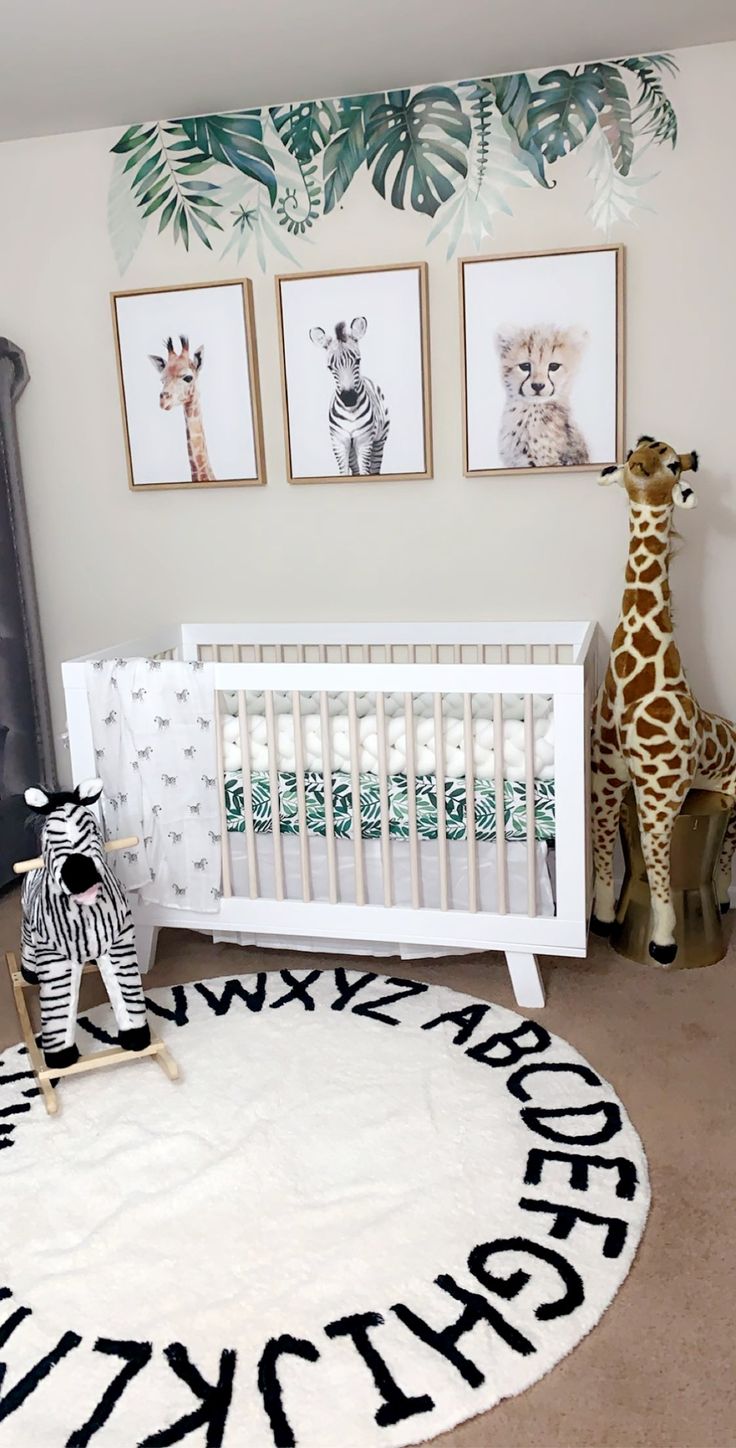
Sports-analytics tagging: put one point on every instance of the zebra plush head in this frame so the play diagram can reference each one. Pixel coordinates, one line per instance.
(343, 356)
(71, 844)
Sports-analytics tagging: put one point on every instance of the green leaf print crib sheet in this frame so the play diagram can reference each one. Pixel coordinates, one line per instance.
(398, 806)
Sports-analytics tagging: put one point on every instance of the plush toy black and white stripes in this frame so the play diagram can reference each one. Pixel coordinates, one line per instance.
(75, 911)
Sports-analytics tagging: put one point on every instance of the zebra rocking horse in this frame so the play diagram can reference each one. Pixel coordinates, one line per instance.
(74, 912)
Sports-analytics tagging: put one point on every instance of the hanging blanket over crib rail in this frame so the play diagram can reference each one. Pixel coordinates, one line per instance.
(154, 733)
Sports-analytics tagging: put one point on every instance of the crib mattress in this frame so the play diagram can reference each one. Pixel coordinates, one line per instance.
(515, 824)
(517, 719)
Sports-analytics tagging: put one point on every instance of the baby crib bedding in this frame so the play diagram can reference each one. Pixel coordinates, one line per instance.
(425, 762)
(515, 824)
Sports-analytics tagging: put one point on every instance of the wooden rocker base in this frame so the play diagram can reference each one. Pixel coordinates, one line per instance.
(113, 1056)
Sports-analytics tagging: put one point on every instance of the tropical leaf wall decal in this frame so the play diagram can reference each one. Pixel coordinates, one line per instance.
(452, 153)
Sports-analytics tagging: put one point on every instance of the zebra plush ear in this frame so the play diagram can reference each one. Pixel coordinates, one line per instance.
(89, 791)
(37, 799)
(359, 327)
(318, 336)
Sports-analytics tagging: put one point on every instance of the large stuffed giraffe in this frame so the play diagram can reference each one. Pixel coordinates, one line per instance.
(649, 731)
(180, 388)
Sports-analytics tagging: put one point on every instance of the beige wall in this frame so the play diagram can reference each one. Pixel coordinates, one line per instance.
(110, 563)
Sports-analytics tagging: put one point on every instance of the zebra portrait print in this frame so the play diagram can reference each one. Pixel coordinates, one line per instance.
(74, 910)
(358, 416)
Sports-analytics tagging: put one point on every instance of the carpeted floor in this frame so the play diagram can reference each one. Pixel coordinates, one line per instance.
(658, 1371)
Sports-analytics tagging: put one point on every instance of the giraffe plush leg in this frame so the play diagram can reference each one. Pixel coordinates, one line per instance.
(608, 794)
(656, 822)
(723, 873)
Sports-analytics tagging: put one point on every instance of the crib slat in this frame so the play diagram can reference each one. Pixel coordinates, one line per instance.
(301, 795)
(383, 794)
(470, 804)
(439, 769)
(273, 778)
(411, 796)
(227, 884)
(499, 791)
(531, 824)
(329, 806)
(355, 790)
(250, 833)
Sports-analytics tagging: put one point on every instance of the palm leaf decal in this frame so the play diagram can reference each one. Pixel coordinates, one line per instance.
(615, 116)
(420, 137)
(563, 110)
(236, 140)
(513, 94)
(655, 113)
(345, 153)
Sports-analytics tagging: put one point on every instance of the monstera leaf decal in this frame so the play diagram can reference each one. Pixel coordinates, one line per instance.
(563, 110)
(419, 137)
(305, 129)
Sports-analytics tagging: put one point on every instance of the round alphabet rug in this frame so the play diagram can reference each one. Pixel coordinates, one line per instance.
(370, 1209)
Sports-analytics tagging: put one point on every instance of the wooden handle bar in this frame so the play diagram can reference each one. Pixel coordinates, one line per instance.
(23, 867)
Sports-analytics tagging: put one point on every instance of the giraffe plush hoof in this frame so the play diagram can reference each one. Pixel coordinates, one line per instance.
(601, 927)
(58, 1060)
(135, 1039)
(663, 954)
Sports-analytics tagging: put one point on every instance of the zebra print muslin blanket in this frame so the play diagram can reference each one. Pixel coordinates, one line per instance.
(156, 752)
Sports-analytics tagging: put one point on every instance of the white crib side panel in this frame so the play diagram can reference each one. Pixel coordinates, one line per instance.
(79, 723)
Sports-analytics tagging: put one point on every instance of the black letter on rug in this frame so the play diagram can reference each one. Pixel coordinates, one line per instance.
(565, 1218)
(180, 1013)
(28, 1384)
(270, 1387)
(215, 1400)
(347, 989)
(408, 988)
(510, 1287)
(299, 989)
(466, 1020)
(515, 1083)
(254, 999)
(541, 1039)
(136, 1355)
(537, 1119)
(396, 1406)
(626, 1185)
(444, 1341)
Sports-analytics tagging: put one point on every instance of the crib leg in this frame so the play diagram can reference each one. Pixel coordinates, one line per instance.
(525, 978)
(146, 940)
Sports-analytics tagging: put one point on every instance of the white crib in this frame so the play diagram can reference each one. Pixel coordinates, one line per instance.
(438, 894)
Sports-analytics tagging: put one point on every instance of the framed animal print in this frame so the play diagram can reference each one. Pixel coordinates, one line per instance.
(189, 392)
(542, 352)
(355, 374)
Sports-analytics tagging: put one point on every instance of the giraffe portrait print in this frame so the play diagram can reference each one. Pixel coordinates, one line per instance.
(189, 388)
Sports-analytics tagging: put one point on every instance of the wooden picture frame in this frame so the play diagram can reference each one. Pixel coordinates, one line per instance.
(419, 444)
(247, 387)
(515, 441)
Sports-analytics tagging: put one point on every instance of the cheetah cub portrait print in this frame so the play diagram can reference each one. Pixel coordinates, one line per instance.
(538, 365)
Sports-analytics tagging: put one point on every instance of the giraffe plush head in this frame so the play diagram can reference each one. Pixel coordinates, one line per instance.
(652, 474)
(179, 373)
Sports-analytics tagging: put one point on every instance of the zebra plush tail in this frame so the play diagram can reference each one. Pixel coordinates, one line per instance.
(380, 433)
